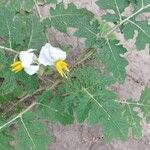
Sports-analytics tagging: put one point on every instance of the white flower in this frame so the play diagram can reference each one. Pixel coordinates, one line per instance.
(26, 60)
(53, 56)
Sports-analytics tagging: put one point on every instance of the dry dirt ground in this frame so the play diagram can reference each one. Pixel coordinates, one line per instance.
(83, 137)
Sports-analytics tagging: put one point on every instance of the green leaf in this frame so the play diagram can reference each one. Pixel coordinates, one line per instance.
(21, 31)
(129, 24)
(5, 98)
(138, 4)
(14, 5)
(32, 133)
(30, 33)
(27, 5)
(105, 28)
(81, 19)
(132, 116)
(143, 29)
(51, 1)
(37, 37)
(51, 108)
(116, 5)
(133, 119)
(12, 81)
(5, 139)
(110, 55)
(6, 23)
(144, 103)
(88, 98)
(29, 83)
(9, 84)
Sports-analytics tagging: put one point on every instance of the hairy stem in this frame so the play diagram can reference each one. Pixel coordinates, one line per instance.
(123, 21)
(8, 49)
(18, 116)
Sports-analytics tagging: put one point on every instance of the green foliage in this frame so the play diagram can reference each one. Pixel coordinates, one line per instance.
(129, 24)
(144, 104)
(14, 82)
(21, 31)
(132, 117)
(85, 95)
(81, 19)
(50, 1)
(27, 5)
(110, 55)
(6, 139)
(51, 108)
(92, 30)
(88, 98)
(32, 133)
(33, 33)
(143, 29)
(8, 84)
(116, 5)
(104, 29)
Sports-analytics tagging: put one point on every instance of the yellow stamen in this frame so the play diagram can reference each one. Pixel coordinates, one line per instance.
(16, 66)
(61, 67)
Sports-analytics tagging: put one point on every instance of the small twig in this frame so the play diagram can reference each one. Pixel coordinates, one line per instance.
(88, 55)
(23, 99)
(37, 91)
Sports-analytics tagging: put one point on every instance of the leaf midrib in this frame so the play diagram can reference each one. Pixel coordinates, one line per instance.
(105, 111)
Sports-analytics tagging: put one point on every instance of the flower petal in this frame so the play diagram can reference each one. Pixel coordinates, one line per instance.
(32, 69)
(49, 55)
(26, 57)
(44, 56)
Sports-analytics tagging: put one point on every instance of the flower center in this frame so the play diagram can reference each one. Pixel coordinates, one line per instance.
(16, 66)
(61, 67)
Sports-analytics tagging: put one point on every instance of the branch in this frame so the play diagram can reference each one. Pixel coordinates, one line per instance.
(18, 116)
(123, 21)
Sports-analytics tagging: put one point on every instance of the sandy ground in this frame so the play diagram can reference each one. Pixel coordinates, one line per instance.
(83, 137)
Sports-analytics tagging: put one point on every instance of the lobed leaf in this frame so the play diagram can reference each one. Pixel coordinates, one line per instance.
(81, 19)
(5, 140)
(88, 98)
(32, 133)
(110, 55)
(129, 24)
(133, 119)
(5, 137)
(27, 5)
(144, 103)
(14, 83)
(116, 6)
(51, 108)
